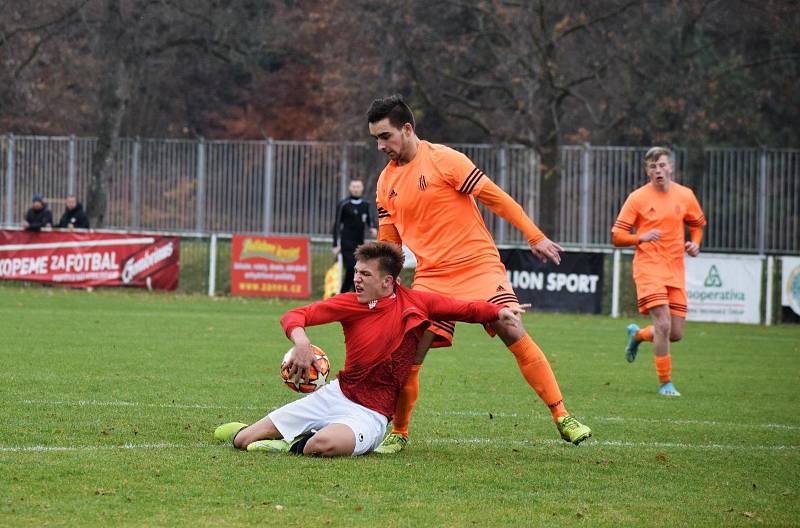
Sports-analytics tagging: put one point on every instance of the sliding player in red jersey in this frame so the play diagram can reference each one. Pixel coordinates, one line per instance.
(382, 322)
(426, 199)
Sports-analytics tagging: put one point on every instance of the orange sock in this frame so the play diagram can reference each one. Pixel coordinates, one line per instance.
(537, 372)
(664, 368)
(406, 401)
(645, 334)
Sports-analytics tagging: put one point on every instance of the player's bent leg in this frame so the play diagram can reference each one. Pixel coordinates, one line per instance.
(406, 401)
(333, 440)
(662, 323)
(261, 430)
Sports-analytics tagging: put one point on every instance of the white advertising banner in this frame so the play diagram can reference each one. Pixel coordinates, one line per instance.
(790, 283)
(724, 288)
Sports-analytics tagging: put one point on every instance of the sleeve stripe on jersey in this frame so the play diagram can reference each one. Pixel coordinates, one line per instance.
(382, 213)
(697, 223)
(471, 181)
(504, 298)
(623, 225)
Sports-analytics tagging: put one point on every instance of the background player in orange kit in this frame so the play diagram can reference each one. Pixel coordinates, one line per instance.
(657, 212)
(426, 199)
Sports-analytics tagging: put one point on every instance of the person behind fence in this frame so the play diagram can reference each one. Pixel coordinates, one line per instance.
(658, 212)
(382, 324)
(353, 216)
(38, 216)
(74, 217)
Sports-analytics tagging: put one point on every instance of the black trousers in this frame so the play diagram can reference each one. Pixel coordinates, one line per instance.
(349, 266)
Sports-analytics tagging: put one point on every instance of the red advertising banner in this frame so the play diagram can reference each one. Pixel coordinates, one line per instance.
(90, 259)
(270, 266)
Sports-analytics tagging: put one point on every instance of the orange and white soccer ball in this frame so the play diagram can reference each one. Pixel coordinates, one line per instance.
(316, 379)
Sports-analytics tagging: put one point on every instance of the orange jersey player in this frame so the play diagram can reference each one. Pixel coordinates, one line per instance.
(657, 212)
(426, 199)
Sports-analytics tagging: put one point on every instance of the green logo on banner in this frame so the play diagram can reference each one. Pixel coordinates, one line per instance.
(713, 280)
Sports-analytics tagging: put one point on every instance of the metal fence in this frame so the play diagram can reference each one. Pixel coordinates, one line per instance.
(751, 197)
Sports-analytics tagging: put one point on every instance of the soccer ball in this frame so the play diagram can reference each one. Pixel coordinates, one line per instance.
(316, 379)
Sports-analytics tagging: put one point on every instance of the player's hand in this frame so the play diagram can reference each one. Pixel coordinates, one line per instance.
(546, 250)
(373, 232)
(335, 250)
(692, 249)
(650, 236)
(300, 361)
(512, 315)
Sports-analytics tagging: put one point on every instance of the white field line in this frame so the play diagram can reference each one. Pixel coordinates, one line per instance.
(266, 408)
(56, 449)
(609, 443)
(436, 441)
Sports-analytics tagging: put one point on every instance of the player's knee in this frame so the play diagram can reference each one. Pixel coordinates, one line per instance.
(663, 327)
(321, 445)
(675, 335)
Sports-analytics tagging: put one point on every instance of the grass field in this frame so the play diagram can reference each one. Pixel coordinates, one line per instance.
(109, 400)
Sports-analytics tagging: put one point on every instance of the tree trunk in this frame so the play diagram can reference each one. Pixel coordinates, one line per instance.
(114, 102)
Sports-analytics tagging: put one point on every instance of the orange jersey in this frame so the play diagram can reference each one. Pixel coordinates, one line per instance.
(431, 203)
(646, 209)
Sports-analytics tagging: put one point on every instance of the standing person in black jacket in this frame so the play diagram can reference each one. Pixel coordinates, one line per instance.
(353, 215)
(38, 216)
(73, 216)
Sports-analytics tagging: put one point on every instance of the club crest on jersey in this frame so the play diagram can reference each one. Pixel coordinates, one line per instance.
(372, 304)
(422, 183)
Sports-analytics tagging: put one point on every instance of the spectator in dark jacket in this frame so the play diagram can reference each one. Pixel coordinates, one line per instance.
(73, 216)
(353, 215)
(38, 216)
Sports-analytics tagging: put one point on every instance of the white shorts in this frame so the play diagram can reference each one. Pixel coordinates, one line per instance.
(326, 406)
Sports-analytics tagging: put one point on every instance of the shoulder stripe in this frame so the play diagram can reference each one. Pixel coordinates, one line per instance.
(471, 181)
(623, 225)
(382, 213)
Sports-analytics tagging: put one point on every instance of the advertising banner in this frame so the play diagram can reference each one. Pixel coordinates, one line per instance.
(90, 259)
(724, 288)
(790, 283)
(576, 285)
(270, 266)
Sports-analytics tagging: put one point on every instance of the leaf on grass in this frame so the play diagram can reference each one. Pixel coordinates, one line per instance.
(358, 508)
(749, 515)
(279, 507)
(661, 456)
(101, 491)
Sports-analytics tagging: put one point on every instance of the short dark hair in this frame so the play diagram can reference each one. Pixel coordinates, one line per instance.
(389, 256)
(392, 107)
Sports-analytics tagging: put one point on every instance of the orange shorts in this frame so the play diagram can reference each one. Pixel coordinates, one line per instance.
(650, 294)
(476, 283)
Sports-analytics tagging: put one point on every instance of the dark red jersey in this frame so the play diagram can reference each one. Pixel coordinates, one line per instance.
(380, 337)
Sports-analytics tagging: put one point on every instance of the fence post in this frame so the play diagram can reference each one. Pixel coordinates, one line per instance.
(10, 180)
(770, 280)
(200, 195)
(71, 167)
(212, 265)
(269, 183)
(615, 273)
(136, 185)
(584, 195)
(344, 167)
(502, 182)
(762, 201)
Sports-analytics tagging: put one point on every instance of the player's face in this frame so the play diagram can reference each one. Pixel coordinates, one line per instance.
(659, 171)
(370, 282)
(356, 189)
(392, 141)
(71, 202)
